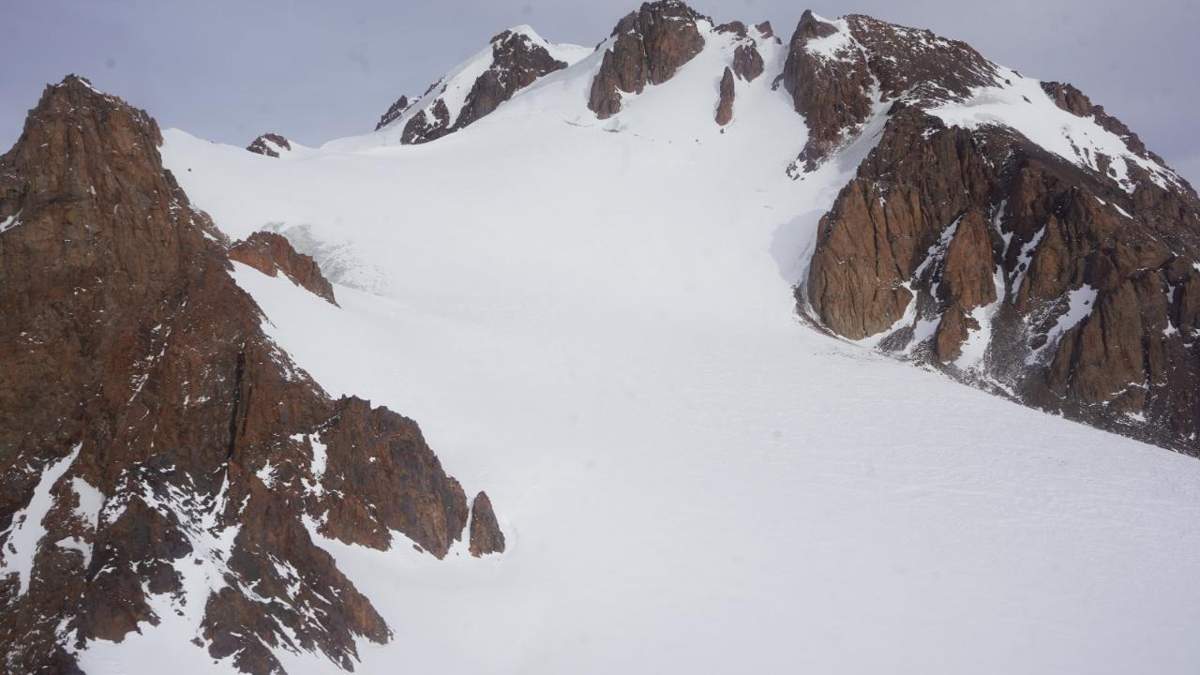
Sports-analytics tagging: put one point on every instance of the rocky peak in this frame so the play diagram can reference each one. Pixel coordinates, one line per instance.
(516, 58)
(269, 252)
(183, 458)
(830, 83)
(836, 71)
(646, 47)
(1055, 274)
(811, 28)
(917, 64)
(270, 145)
(486, 537)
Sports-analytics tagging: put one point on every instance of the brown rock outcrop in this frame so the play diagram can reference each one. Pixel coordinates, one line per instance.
(211, 452)
(648, 46)
(725, 102)
(747, 62)
(270, 145)
(832, 85)
(486, 537)
(830, 90)
(270, 253)
(1084, 280)
(517, 61)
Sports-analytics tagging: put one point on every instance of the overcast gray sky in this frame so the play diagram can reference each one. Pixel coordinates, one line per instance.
(315, 69)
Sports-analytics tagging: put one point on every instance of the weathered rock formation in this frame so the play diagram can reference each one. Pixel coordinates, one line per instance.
(517, 61)
(647, 47)
(270, 253)
(270, 144)
(835, 73)
(486, 537)
(393, 113)
(154, 440)
(725, 102)
(1061, 284)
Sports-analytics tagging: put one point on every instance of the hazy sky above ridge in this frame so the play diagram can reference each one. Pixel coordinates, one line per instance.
(317, 70)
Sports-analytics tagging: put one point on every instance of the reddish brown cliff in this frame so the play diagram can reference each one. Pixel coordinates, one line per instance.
(135, 370)
(270, 253)
(1072, 285)
(647, 47)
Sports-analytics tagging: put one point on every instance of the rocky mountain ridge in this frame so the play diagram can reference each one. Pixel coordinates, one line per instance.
(182, 470)
(938, 199)
(1060, 280)
(514, 59)
(184, 450)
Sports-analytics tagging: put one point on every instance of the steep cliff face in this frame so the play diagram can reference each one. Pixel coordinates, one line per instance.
(162, 459)
(1007, 230)
(837, 71)
(646, 47)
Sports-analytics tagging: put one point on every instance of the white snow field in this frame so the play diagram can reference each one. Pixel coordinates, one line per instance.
(593, 321)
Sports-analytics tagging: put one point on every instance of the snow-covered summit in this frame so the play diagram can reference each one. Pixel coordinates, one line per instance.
(513, 59)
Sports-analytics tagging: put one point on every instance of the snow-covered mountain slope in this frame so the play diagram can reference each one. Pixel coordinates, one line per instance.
(595, 319)
(512, 60)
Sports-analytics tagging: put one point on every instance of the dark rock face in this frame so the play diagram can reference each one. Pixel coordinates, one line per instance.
(725, 103)
(747, 62)
(830, 72)
(202, 449)
(649, 45)
(830, 89)
(269, 144)
(428, 125)
(1075, 285)
(381, 476)
(393, 113)
(486, 537)
(517, 61)
(735, 27)
(269, 253)
(927, 67)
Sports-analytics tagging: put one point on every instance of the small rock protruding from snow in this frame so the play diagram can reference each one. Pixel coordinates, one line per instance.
(725, 103)
(486, 537)
(270, 145)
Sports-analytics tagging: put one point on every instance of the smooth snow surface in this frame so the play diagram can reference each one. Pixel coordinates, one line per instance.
(593, 321)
